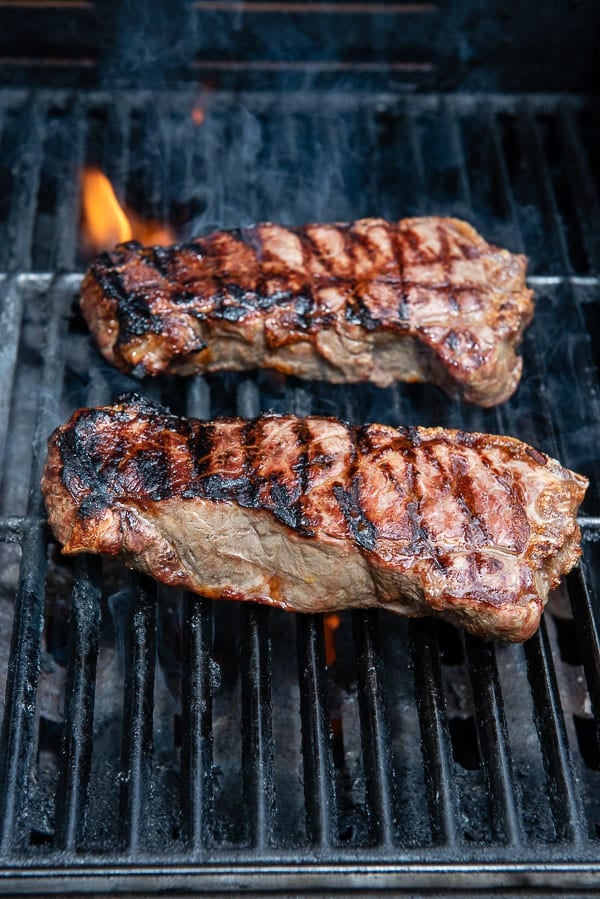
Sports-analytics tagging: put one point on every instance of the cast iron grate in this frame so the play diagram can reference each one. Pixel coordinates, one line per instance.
(168, 742)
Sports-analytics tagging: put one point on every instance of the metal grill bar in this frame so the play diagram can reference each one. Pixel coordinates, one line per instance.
(197, 736)
(68, 202)
(12, 528)
(585, 616)
(257, 734)
(530, 134)
(19, 713)
(374, 729)
(77, 737)
(26, 185)
(566, 805)
(117, 159)
(493, 737)
(50, 384)
(11, 314)
(435, 737)
(137, 717)
(316, 732)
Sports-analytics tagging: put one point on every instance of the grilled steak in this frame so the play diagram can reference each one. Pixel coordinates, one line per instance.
(312, 515)
(425, 299)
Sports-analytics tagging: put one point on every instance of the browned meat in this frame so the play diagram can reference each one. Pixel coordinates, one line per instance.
(313, 515)
(422, 300)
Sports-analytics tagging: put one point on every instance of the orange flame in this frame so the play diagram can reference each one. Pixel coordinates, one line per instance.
(331, 622)
(106, 222)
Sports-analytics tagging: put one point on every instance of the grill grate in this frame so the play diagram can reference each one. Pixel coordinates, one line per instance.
(168, 742)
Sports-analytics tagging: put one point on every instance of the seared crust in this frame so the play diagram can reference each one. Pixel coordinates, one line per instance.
(424, 299)
(313, 514)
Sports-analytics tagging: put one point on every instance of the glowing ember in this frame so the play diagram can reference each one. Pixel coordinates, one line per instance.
(106, 223)
(331, 622)
(197, 115)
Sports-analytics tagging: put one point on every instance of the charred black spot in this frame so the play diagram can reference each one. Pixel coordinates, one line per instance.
(362, 439)
(412, 434)
(249, 437)
(233, 302)
(191, 246)
(78, 467)
(232, 313)
(157, 258)
(301, 469)
(452, 341)
(357, 313)
(196, 347)
(419, 534)
(453, 302)
(363, 530)
(404, 310)
(277, 298)
(153, 471)
(466, 439)
(216, 488)
(140, 404)
(108, 278)
(161, 259)
(93, 505)
(133, 310)
(323, 460)
(185, 296)
(304, 305)
(283, 505)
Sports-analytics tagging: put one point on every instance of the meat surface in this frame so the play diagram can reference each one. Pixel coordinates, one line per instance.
(423, 299)
(314, 515)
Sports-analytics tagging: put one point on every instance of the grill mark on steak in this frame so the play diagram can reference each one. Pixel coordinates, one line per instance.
(200, 444)
(362, 529)
(303, 522)
(464, 494)
(472, 527)
(357, 312)
(133, 313)
(158, 259)
(420, 541)
(311, 248)
(421, 299)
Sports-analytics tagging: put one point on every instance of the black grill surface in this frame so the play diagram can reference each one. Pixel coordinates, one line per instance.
(152, 740)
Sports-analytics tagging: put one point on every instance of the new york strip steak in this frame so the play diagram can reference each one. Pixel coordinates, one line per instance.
(423, 299)
(314, 515)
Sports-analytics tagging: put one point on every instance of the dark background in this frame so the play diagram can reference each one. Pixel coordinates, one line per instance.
(470, 46)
